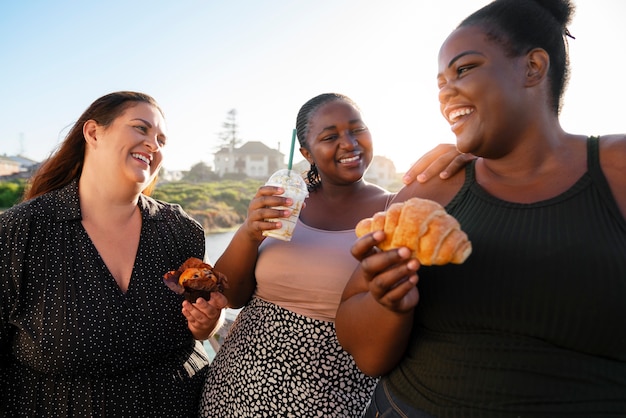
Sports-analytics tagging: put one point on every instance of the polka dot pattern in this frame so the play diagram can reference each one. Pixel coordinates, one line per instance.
(71, 342)
(278, 363)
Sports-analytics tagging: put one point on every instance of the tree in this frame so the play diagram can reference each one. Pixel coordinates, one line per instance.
(229, 135)
(200, 172)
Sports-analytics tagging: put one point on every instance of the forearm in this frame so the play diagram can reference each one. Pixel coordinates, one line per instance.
(375, 336)
(237, 263)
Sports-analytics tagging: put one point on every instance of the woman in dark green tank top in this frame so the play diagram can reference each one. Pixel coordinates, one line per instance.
(534, 322)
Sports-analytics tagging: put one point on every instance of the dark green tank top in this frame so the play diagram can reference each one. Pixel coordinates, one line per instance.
(534, 322)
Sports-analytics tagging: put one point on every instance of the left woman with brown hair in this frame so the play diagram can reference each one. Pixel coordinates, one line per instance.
(88, 328)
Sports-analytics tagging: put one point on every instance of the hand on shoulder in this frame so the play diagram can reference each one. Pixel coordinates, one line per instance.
(441, 162)
(437, 189)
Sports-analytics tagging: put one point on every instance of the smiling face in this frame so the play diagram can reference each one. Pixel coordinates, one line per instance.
(481, 92)
(339, 143)
(132, 144)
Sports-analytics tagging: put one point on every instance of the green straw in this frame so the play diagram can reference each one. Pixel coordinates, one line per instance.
(293, 144)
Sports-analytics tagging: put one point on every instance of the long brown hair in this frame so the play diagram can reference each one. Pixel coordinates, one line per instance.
(66, 162)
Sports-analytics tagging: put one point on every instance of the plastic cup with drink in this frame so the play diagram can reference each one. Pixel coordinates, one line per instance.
(295, 187)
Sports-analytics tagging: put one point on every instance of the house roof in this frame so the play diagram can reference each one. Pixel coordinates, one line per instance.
(9, 160)
(252, 147)
(23, 161)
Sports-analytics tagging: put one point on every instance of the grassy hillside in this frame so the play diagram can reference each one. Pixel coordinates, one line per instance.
(217, 205)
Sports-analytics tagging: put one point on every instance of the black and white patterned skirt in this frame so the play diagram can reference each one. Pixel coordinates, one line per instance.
(278, 363)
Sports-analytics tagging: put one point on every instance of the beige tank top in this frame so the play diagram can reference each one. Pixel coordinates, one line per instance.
(306, 275)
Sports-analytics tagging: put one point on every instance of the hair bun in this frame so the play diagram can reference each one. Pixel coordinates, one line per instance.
(561, 10)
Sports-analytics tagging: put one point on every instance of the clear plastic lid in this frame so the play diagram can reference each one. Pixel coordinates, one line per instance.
(287, 179)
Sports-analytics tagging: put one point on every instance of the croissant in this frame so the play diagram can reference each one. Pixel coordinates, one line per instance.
(422, 225)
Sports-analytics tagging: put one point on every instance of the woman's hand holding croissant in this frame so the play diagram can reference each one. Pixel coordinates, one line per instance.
(433, 236)
(390, 275)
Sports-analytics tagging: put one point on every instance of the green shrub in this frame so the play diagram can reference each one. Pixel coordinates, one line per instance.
(11, 192)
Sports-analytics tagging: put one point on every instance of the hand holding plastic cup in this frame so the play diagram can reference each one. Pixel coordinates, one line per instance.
(295, 187)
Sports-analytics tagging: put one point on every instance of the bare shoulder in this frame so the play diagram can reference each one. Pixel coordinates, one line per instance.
(613, 153)
(613, 143)
(377, 191)
(613, 162)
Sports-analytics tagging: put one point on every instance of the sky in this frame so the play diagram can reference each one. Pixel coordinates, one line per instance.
(265, 58)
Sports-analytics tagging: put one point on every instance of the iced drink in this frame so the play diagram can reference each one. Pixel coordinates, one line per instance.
(296, 189)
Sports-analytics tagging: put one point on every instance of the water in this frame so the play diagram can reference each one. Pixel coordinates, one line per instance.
(217, 243)
(215, 246)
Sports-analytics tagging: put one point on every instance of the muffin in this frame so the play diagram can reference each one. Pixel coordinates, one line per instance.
(195, 279)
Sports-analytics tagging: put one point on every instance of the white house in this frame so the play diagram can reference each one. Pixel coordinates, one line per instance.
(17, 166)
(8, 166)
(253, 159)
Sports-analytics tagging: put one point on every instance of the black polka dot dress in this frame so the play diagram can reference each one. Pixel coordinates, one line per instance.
(277, 363)
(72, 344)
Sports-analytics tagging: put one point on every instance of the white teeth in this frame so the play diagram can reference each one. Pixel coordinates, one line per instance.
(141, 157)
(349, 160)
(453, 116)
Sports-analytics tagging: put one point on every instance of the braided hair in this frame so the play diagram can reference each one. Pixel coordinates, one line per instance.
(305, 115)
(521, 25)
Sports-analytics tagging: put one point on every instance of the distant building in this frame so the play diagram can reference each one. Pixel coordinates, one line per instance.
(253, 159)
(170, 175)
(8, 166)
(382, 172)
(17, 166)
(301, 167)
